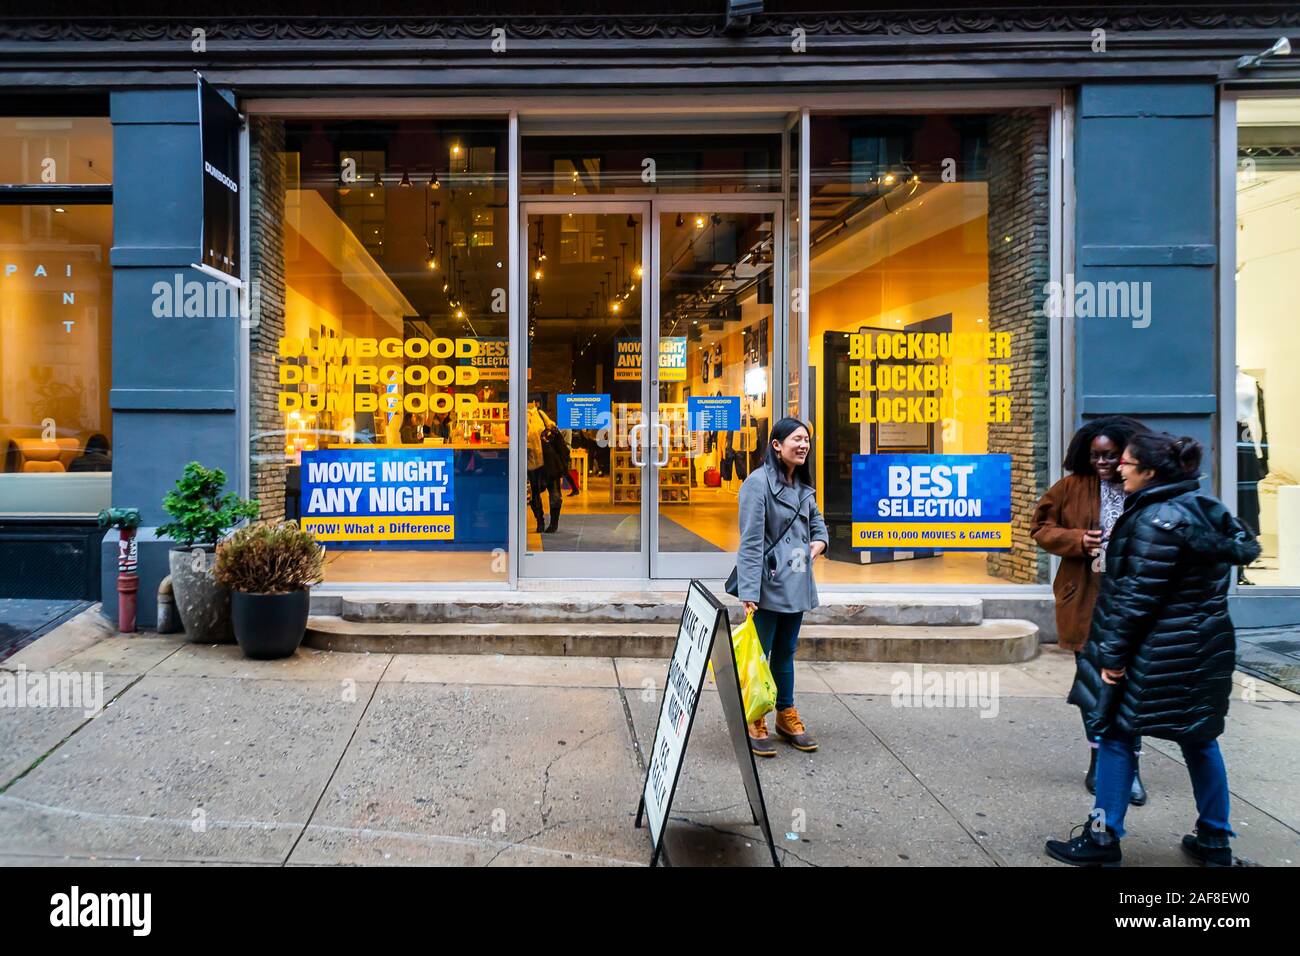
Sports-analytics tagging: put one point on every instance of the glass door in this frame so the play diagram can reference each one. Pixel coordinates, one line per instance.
(585, 510)
(715, 397)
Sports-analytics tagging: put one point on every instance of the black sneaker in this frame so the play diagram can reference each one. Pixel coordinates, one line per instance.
(1088, 848)
(1209, 850)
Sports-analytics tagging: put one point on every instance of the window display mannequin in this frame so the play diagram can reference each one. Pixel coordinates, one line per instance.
(1252, 448)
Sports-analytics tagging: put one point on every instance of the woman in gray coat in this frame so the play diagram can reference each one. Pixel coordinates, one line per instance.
(781, 534)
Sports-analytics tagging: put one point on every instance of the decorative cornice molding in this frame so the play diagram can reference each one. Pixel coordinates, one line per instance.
(901, 23)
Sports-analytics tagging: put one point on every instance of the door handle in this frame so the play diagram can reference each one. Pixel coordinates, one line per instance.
(634, 443)
(667, 448)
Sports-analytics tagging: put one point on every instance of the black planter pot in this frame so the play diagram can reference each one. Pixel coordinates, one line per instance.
(270, 625)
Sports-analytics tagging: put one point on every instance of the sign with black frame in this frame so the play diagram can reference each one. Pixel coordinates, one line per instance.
(703, 634)
(219, 125)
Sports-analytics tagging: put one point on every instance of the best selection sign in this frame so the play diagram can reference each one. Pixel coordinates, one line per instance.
(932, 502)
(357, 495)
(492, 358)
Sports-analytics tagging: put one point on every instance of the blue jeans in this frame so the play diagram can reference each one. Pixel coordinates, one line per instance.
(778, 632)
(1117, 764)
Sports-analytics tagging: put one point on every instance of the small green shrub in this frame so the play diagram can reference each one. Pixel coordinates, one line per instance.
(270, 559)
(200, 512)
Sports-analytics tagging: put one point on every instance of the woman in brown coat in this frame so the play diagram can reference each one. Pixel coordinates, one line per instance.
(1073, 520)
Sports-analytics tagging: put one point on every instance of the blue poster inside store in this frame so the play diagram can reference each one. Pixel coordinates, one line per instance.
(356, 497)
(582, 411)
(719, 413)
(932, 502)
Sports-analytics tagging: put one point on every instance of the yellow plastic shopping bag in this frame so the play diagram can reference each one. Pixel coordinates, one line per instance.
(756, 684)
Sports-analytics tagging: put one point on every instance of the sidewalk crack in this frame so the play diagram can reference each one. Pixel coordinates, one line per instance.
(338, 763)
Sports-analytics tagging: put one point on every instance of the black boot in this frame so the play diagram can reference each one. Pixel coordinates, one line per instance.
(1089, 848)
(1090, 778)
(1138, 794)
(555, 517)
(1210, 848)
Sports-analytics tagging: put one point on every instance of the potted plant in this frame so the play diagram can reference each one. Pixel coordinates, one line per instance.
(201, 516)
(269, 569)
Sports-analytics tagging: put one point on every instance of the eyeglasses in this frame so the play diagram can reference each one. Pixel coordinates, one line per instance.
(1125, 461)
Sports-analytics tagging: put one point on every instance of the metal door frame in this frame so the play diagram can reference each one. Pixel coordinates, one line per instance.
(648, 562)
(688, 564)
(574, 564)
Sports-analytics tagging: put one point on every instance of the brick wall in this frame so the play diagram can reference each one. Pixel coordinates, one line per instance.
(266, 248)
(1018, 271)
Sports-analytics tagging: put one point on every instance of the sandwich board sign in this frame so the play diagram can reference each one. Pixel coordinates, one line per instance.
(703, 634)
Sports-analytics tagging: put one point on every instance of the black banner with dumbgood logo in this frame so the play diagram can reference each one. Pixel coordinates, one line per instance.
(219, 146)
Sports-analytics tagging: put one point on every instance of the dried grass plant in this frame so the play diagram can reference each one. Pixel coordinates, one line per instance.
(270, 559)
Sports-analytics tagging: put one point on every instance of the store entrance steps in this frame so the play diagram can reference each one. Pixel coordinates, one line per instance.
(989, 642)
(893, 628)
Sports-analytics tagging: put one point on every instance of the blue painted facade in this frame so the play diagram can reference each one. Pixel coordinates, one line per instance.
(1146, 201)
(175, 380)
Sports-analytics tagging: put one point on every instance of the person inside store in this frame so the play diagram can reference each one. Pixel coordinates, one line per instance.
(440, 426)
(1074, 521)
(781, 534)
(410, 429)
(95, 457)
(548, 459)
(1163, 644)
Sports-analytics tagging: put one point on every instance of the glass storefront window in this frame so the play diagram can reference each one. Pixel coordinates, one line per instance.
(578, 166)
(379, 360)
(56, 150)
(1268, 348)
(55, 358)
(928, 268)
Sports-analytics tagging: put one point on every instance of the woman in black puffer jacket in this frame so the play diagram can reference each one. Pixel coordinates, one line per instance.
(1160, 656)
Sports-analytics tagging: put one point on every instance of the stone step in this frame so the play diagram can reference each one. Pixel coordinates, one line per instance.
(989, 642)
(625, 607)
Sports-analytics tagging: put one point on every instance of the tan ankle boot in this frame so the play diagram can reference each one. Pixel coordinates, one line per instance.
(789, 726)
(759, 742)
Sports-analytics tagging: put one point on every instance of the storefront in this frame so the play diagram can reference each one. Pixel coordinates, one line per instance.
(451, 277)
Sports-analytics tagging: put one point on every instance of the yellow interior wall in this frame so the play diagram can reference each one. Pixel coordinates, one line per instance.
(49, 372)
(947, 273)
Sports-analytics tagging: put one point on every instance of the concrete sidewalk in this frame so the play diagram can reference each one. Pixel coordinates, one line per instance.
(328, 758)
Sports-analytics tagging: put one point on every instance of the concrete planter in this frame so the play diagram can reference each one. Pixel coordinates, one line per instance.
(268, 626)
(203, 604)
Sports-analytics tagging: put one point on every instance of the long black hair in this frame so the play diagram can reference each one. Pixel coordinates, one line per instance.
(780, 432)
(1171, 458)
(1118, 428)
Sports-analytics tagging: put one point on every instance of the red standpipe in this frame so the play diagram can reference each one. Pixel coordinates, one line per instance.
(128, 581)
